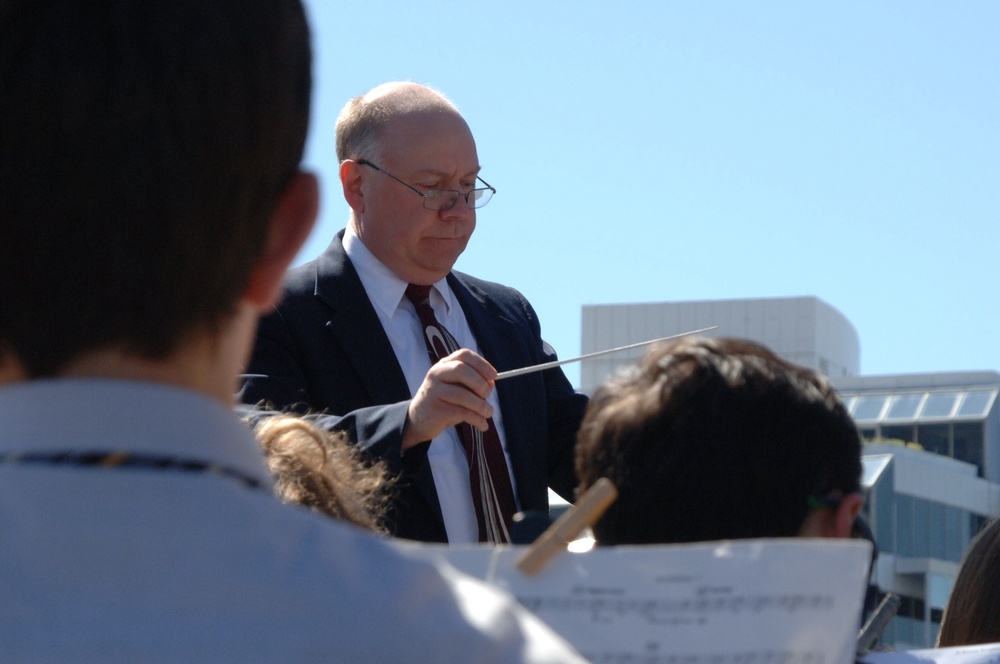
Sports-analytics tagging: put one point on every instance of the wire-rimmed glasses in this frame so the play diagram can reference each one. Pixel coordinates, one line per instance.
(444, 199)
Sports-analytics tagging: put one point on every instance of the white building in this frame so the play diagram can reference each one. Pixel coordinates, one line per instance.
(803, 330)
(926, 500)
(923, 509)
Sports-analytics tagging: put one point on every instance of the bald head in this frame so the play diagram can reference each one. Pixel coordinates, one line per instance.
(363, 120)
(396, 143)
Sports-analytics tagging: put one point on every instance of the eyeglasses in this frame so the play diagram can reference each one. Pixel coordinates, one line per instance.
(444, 199)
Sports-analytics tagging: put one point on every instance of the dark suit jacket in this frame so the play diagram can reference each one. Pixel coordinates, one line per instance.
(324, 349)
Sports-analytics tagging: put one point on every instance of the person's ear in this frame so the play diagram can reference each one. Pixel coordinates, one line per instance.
(289, 226)
(351, 178)
(845, 515)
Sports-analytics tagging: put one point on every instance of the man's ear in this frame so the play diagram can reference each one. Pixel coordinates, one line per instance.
(351, 177)
(290, 224)
(846, 514)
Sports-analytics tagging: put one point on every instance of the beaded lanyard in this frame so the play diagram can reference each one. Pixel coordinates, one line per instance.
(127, 460)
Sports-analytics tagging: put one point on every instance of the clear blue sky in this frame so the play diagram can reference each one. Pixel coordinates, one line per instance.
(667, 151)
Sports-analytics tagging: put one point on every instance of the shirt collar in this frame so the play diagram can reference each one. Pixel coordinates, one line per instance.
(106, 415)
(387, 291)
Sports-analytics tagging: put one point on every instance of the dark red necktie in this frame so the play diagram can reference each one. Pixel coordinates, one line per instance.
(492, 494)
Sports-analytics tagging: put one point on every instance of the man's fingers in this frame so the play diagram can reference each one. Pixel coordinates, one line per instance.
(465, 402)
(457, 372)
(474, 361)
(453, 391)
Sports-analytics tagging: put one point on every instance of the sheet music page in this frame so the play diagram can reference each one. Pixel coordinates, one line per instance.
(792, 601)
(979, 654)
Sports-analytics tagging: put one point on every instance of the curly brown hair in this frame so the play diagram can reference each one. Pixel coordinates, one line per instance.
(323, 471)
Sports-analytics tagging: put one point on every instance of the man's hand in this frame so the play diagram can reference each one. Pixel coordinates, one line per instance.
(453, 391)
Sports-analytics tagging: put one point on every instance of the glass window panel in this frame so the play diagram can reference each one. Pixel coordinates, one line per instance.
(869, 408)
(904, 526)
(976, 404)
(976, 524)
(968, 528)
(905, 629)
(954, 543)
(922, 527)
(907, 608)
(939, 404)
(904, 407)
(968, 443)
(935, 536)
(885, 513)
(906, 433)
(889, 635)
(935, 438)
(937, 589)
(868, 433)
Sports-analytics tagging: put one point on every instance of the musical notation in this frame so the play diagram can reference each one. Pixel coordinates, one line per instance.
(715, 657)
(659, 610)
(738, 602)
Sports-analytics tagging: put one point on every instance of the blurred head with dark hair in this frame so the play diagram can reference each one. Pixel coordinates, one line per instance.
(150, 171)
(710, 439)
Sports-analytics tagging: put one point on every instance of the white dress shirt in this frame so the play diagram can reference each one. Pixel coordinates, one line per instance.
(449, 465)
(112, 564)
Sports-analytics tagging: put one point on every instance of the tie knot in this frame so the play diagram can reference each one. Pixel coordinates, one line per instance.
(418, 294)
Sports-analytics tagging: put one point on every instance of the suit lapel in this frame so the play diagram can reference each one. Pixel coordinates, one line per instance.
(498, 337)
(356, 327)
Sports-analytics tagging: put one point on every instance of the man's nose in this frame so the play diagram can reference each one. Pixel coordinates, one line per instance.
(459, 211)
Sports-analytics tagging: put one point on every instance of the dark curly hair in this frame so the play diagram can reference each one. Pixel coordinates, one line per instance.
(711, 439)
